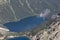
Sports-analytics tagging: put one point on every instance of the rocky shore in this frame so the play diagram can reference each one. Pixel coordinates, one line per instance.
(53, 33)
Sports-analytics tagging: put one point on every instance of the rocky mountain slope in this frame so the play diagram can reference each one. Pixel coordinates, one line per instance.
(53, 33)
(12, 10)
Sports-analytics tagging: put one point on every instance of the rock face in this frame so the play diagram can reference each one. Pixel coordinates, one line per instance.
(53, 33)
(3, 2)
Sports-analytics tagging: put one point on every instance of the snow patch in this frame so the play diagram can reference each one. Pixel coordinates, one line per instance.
(45, 13)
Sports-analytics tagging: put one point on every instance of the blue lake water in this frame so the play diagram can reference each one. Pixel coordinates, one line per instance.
(19, 38)
(28, 23)
(24, 24)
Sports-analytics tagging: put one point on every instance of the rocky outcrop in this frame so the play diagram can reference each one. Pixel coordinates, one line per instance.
(53, 33)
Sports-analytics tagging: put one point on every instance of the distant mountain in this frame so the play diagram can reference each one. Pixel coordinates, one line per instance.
(18, 9)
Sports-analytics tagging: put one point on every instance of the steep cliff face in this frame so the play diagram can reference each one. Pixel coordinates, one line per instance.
(53, 33)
